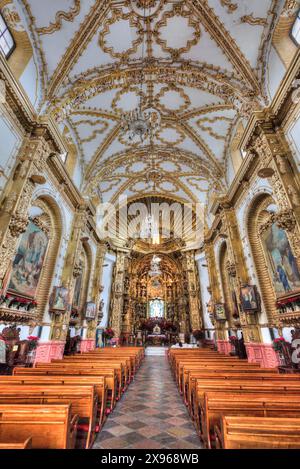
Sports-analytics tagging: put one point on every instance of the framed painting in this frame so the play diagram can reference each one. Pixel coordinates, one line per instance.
(281, 262)
(249, 297)
(90, 310)
(220, 312)
(28, 262)
(59, 299)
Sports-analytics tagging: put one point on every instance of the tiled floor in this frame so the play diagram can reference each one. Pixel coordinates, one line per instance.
(151, 414)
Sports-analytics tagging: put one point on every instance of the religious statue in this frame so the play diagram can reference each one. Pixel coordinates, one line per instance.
(156, 330)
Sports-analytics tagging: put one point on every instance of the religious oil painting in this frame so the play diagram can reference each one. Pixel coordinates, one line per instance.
(220, 312)
(281, 262)
(59, 299)
(250, 300)
(90, 310)
(28, 262)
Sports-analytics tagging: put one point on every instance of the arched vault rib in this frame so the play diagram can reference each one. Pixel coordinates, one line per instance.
(202, 145)
(199, 167)
(102, 148)
(136, 179)
(205, 110)
(190, 75)
(79, 42)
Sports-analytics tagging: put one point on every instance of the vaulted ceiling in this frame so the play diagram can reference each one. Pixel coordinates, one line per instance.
(203, 71)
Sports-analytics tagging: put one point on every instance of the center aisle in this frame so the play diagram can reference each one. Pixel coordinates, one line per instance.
(151, 414)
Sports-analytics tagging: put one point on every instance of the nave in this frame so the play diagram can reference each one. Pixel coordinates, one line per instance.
(151, 415)
(149, 197)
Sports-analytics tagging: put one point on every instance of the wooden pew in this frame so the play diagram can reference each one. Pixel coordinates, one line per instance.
(122, 366)
(258, 433)
(97, 381)
(87, 367)
(49, 426)
(83, 399)
(193, 377)
(16, 444)
(212, 366)
(134, 358)
(110, 375)
(201, 411)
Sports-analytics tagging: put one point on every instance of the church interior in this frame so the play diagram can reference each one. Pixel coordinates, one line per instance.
(149, 224)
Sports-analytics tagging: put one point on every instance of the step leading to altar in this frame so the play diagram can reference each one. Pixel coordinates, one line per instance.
(159, 351)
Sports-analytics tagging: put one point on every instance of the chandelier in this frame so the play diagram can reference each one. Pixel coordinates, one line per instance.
(139, 124)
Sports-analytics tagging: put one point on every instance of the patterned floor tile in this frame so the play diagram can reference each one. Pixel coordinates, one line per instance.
(151, 414)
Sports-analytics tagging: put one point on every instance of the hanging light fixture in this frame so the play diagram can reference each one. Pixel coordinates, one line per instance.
(140, 123)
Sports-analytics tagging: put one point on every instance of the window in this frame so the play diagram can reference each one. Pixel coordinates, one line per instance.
(296, 30)
(7, 43)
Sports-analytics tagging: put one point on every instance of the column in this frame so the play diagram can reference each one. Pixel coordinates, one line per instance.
(215, 291)
(118, 293)
(89, 343)
(190, 267)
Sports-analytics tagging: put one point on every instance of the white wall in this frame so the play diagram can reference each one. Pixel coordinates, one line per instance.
(30, 82)
(10, 143)
(274, 74)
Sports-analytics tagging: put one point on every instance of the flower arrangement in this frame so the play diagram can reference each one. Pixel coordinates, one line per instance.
(278, 343)
(108, 334)
(33, 342)
(232, 338)
(17, 302)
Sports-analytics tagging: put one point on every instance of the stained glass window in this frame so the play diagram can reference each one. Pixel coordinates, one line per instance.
(7, 43)
(157, 308)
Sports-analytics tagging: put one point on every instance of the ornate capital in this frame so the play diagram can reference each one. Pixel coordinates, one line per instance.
(267, 223)
(77, 270)
(286, 220)
(18, 225)
(231, 268)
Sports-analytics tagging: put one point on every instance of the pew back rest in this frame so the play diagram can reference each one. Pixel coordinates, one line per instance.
(83, 398)
(49, 426)
(260, 432)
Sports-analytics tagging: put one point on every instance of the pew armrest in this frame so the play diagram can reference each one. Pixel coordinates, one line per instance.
(73, 430)
(218, 436)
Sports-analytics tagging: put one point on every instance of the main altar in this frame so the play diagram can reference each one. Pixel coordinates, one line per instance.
(158, 331)
(156, 337)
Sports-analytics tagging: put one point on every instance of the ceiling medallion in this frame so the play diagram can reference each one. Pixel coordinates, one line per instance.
(140, 124)
(154, 176)
(265, 173)
(145, 7)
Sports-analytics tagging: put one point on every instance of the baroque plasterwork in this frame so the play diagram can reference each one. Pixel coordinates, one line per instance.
(186, 91)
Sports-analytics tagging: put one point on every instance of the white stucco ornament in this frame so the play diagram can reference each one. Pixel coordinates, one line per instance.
(2, 92)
